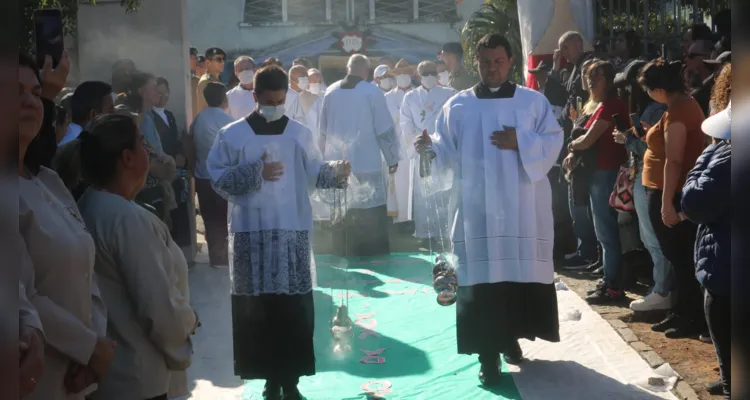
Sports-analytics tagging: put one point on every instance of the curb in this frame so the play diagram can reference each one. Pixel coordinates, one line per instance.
(682, 389)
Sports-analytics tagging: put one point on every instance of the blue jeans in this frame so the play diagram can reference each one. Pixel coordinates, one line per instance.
(663, 273)
(583, 228)
(605, 225)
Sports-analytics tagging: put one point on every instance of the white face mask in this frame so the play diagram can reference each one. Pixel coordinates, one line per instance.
(403, 81)
(302, 82)
(386, 83)
(271, 113)
(246, 77)
(315, 88)
(444, 78)
(429, 81)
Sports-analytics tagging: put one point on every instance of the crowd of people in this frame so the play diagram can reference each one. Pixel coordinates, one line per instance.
(108, 183)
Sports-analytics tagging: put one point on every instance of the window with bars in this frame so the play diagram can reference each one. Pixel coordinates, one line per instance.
(394, 10)
(437, 10)
(263, 11)
(306, 11)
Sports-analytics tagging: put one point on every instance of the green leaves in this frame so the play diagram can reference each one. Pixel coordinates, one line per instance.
(495, 16)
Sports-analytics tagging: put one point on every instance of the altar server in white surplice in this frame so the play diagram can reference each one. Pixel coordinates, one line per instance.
(427, 206)
(355, 125)
(500, 140)
(265, 165)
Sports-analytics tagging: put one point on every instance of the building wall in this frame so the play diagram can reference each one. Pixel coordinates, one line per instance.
(155, 38)
(220, 24)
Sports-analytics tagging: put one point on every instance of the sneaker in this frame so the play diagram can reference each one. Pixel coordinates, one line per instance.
(594, 266)
(666, 323)
(684, 328)
(575, 263)
(598, 272)
(571, 255)
(223, 266)
(599, 285)
(705, 337)
(605, 295)
(652, 302)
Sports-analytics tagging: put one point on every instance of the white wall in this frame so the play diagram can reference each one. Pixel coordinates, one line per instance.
(155, 38)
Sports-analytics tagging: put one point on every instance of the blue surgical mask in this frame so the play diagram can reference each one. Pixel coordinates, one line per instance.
(271, 113)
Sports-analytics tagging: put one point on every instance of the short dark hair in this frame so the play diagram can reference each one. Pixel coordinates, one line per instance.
(193, 51)
(700, 31)
(133, 99)
(61, 114)
(42, 148)
(101, 146)
(493, 41)
(88, 96)
(633, 40)
(661, 74)
(303, 62)
(215, 93)
(272, 61)
(453, 48)
(270, 78)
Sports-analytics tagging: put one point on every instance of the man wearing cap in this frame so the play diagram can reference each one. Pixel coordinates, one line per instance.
(355, 125)
(382, 79)
(706, 201)
(240, 98)
(215, 58)
(453, 56)
(402, 74)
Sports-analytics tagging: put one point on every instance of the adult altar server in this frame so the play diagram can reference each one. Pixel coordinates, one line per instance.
(240, 98)
(354, 124)
(500, 140)
(419, 112)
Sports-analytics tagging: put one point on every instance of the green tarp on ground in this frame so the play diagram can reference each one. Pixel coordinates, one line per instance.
(415, 336)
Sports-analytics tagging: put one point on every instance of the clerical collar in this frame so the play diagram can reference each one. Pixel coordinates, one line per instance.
(350, 81)
(260, 126)
(506, 91)
(244, 88)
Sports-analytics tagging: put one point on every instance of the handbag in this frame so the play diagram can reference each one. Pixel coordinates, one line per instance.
(622, 194)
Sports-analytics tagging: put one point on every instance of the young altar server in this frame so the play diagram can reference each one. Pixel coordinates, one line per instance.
(500, 139)
(427, 206)
(265, 165)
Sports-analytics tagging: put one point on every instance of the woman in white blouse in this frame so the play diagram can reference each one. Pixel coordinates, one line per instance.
(58, 253)
(142, 272)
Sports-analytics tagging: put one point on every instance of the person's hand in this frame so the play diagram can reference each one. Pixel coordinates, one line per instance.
(556, 60)
(669, 215)
(272, 170)
(620, 137)
(422, 142)
(53, 80)
(645, 126)
(572, 113)
(78, 378)
(567, 163)
(505, 139)
(101, 359)
(31, 362)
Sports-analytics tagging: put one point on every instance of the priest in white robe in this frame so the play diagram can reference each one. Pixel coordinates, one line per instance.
(426, 202)
(500, 140)
(265, 166)
(240, 98)
(355, 125)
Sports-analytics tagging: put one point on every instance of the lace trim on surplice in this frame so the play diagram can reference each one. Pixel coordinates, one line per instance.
(239, 180)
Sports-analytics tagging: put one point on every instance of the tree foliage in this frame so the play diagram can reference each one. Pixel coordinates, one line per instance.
(495, 16)
(69, 10)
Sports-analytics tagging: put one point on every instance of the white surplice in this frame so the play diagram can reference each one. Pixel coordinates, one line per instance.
(503, 230)
(354, 124)
(394, 98)
(241, 102)
(270, 223)
(293, 107)
(419, 112)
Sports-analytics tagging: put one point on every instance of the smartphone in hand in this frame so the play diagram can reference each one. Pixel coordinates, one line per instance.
(48, 35)
(619, 123)
(579, 104)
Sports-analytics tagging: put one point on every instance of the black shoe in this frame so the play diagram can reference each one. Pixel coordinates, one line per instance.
(593, 267)
(670, 321)
(272, 391)
(599, 285)
(291, 393)
(715, 388)
(489, 373)
(684, 328)
(514, 356)
(605, 295)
